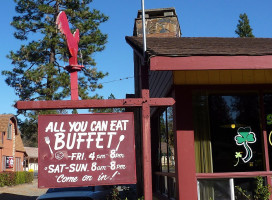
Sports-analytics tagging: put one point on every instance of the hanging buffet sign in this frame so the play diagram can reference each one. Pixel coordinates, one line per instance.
(86, 149)
(244, 137)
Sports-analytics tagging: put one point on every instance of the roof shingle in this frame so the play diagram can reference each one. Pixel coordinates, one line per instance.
(32, 152)
(19, 146)
(4, 122)
(203, 46)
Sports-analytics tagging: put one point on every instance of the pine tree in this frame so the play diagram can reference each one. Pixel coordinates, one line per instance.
(108, 110)
(38, 66)
(243, 27)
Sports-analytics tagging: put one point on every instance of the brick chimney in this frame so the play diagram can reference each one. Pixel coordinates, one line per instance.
(161, 22)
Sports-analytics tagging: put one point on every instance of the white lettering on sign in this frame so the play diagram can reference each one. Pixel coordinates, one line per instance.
(86, 150)
(102, 177)
(79, 140)
(110, 138)
(120, 166)
(102, 156)
(113, 154)
(92, 155)
(70, 140)
(60, 168)
(87, 178)
(99, 126)
(56, 169)
(59, 140)
(63, 179)
(118, 125)
(78, 126)
(95, 167)
(99, 139)
(90, 139)
(53, 127)
(78, 167)
(77, 156)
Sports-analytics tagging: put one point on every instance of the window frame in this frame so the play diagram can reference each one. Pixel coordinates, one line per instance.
(9, 134)
(160, 174)
(4, 163)
(3, 137)
(260, 90)
(17, 164)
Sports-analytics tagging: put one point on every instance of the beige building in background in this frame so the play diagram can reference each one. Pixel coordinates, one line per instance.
(31, 160)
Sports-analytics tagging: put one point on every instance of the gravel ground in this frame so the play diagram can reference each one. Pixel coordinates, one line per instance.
(21, 192)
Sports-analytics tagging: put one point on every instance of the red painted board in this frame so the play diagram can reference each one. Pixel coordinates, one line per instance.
(210, 62)
(74, 85)
(86, 150)
(92, 103)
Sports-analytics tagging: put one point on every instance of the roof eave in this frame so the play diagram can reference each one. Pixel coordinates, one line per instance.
(138, 51)
(163, 63)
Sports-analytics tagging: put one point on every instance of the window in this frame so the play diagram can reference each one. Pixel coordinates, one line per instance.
(9, 162)
(3, 137)
(236, 135)
(166, 143)
(17, 164)
(228, 134)
(268, 121)
(226, 188)
(229, 141)
(165, 172)
(3, 163)
(9, 131)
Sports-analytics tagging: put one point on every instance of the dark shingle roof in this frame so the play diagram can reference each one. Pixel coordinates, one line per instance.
(201, 46)
(19, 146)
(4, 122)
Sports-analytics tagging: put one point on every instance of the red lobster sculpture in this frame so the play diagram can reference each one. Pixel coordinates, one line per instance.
(72, 43)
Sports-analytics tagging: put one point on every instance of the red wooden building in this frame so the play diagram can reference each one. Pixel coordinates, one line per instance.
(218, 133)
(11, 145)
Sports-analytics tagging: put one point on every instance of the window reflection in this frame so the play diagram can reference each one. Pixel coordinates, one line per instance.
(163, 143)
(228, 133)
(165, 182)
(170, 127)
(167, 158)
(227, 188)
(268, 120)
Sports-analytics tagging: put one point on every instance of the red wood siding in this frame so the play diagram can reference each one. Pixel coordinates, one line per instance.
(185, 153)
(210, 62)
(222, 77)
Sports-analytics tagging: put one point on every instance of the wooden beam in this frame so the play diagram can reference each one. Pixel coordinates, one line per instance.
(210, 62)
(219, 175)
(74, 85)
(93, 103)
(146, 135)
(185, 149)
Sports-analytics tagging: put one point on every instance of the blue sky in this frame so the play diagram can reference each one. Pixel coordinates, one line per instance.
(198, 18)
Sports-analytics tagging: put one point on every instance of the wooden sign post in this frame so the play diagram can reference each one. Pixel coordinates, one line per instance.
(145, 102)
